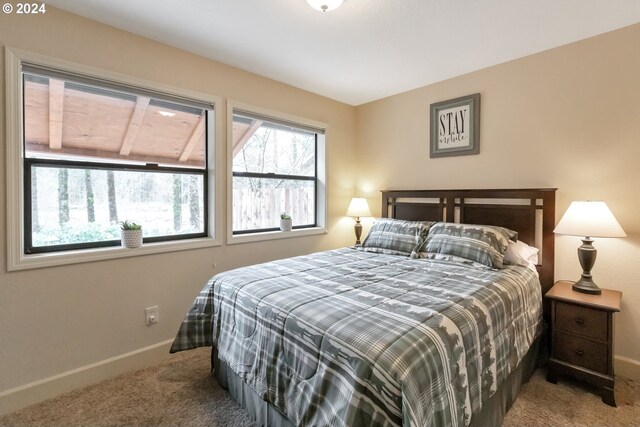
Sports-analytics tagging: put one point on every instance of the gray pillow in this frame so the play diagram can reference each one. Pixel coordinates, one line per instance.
(395, 236)
(484, 244)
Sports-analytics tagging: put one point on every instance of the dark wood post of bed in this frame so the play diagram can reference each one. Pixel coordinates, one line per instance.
(530, 212)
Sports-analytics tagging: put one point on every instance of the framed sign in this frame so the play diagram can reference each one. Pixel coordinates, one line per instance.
(455, 127)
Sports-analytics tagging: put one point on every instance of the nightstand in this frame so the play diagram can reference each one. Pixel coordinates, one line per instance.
(582, 336)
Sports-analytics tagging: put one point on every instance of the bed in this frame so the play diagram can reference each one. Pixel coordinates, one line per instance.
(356, 338)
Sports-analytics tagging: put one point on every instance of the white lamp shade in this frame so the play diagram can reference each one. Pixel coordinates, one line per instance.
(325, 5)
(589, 219)
(358, 207)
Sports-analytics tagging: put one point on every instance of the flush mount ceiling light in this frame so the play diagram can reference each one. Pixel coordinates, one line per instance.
(325, 5)
(166, 114)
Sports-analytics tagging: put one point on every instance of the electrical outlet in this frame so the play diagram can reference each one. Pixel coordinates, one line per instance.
(151, 315)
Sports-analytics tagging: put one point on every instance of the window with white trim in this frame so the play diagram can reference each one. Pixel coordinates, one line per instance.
(97, 152)
(276, 169)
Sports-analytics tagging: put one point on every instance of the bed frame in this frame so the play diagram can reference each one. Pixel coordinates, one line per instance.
(530, 212)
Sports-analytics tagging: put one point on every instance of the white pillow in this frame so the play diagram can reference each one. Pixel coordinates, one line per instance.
(519, 253)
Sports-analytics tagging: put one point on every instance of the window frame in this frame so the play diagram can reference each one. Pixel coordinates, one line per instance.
(70, 164)
(320, 215)
(17, 258)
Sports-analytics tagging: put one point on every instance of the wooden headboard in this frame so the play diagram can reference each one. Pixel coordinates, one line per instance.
(530, 212)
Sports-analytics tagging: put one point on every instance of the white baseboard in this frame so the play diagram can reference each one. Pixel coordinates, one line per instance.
(625, 367)
(37, 391)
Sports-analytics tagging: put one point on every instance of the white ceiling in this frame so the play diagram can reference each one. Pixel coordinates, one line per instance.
(366, 49)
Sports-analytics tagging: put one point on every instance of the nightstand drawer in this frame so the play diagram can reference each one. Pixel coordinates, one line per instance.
(581, 351)
(581, 320)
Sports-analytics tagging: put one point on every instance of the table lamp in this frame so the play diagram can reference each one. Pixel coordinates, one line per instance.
(588, 219)
(357, 208)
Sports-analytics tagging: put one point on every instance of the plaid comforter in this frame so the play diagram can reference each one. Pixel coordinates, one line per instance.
(351, 338)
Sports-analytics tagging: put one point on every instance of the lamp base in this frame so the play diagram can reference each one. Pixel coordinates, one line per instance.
(586, 286)
(587, 257)
(358, 230)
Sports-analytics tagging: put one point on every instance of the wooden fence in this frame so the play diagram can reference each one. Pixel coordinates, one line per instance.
(261, 208)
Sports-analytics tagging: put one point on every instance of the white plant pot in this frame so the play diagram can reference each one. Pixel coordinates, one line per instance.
(131, 238)
(286, 224)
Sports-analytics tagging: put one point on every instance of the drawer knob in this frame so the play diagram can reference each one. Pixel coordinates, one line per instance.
(579, 320)
(580, 352)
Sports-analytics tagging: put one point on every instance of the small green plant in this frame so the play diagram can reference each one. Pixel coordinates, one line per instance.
(126, 225)
(285, 215)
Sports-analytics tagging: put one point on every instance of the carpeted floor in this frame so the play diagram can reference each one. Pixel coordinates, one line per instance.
(181, 392)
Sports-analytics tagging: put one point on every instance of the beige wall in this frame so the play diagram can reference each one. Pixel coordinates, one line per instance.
(57, 319)
(566, 118)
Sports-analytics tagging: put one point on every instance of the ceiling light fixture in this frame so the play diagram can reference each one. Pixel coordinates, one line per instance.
(325, 5)
(166, 114)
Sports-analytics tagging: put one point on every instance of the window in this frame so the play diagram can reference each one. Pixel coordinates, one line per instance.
(93, 152)
(275, 170)
(96, 154)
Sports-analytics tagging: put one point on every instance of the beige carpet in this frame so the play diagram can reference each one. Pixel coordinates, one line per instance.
(181, 392)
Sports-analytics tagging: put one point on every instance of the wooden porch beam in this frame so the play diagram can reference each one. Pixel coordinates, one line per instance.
(134, 125)
(197, 133)
(255, 125)
(87, 153)
(56, 110)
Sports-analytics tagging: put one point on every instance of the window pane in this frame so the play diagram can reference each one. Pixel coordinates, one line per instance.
(263, 147)
(258, 202)
(76, 121)
(77, 205)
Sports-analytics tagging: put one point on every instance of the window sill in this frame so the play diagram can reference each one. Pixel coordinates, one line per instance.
(25, 262)
(274, 235)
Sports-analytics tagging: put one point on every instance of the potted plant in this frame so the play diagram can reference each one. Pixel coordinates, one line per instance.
(285, 222)
(130, 234)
